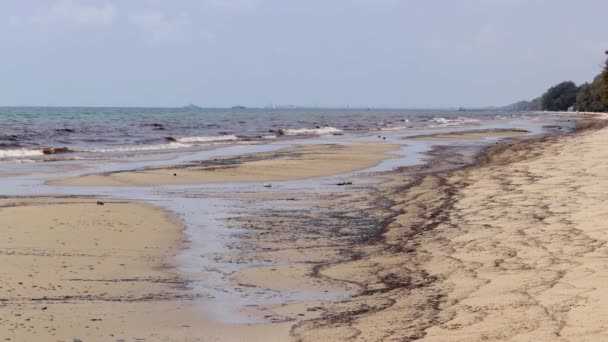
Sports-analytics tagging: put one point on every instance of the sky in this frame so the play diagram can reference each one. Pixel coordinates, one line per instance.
(326, 53)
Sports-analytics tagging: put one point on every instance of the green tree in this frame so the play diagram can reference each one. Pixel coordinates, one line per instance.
(604, 85)
(560, 97)
(589, 98)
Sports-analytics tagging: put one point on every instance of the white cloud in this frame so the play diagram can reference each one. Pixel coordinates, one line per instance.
(67, 11)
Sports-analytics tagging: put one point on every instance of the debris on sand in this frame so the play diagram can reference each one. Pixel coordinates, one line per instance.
(344, 183)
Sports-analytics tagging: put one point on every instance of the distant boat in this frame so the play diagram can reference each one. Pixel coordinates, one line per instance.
(191, 106)
(239, 107)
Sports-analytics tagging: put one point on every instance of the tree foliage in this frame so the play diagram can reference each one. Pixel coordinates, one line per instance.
(604, 84)
(593, 97)
(560, 97)
(589, 98)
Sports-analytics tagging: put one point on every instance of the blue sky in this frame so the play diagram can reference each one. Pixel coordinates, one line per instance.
(377, 53)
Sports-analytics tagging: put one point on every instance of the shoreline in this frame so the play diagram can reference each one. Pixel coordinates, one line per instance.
(319, 240)
(410, 240)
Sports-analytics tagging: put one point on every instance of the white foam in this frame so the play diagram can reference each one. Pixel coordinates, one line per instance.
(228, 137)
(311, 131)
(22, 152)
(443, 122)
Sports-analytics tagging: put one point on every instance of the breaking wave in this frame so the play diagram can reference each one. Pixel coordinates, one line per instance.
(218, 138)
(443, 122)
(22, 152)
(310, 131)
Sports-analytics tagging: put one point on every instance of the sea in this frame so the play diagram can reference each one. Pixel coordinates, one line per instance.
(46, 134)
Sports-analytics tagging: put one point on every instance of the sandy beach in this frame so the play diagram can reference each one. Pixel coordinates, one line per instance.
(299, 162)
(74, 270)
(471, 135)
(84, 271)
(303, 171)
(510, 247)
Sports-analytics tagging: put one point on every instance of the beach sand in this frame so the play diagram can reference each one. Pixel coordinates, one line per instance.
(512, 249)
(74, 270)
(299, 162)
(470, 135)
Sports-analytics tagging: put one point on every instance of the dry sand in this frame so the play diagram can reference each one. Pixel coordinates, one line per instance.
(287, 164)
(73, 270)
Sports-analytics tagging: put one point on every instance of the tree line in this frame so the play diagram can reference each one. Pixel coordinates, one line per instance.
(588, 97)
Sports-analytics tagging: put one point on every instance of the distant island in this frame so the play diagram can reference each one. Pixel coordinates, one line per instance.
(239, 107)
(289, 106)
(192, 106)
(567, 96)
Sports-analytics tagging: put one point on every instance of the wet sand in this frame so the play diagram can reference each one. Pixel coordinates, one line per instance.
(471, 135)
(299, 162)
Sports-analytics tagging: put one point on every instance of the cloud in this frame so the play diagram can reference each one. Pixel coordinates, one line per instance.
(162, 29)
(67, 11)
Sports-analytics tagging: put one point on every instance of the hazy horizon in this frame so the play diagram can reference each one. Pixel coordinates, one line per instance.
(277, 107)
(402, 54)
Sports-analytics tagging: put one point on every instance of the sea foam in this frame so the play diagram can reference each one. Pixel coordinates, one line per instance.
(311, 131)
(218, 138)
(22, 152)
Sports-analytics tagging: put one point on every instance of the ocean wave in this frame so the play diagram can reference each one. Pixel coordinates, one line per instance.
(442, 122)
(168, 146)
(217, 138)
(22, 152)
(310, 131)
(56, 150)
